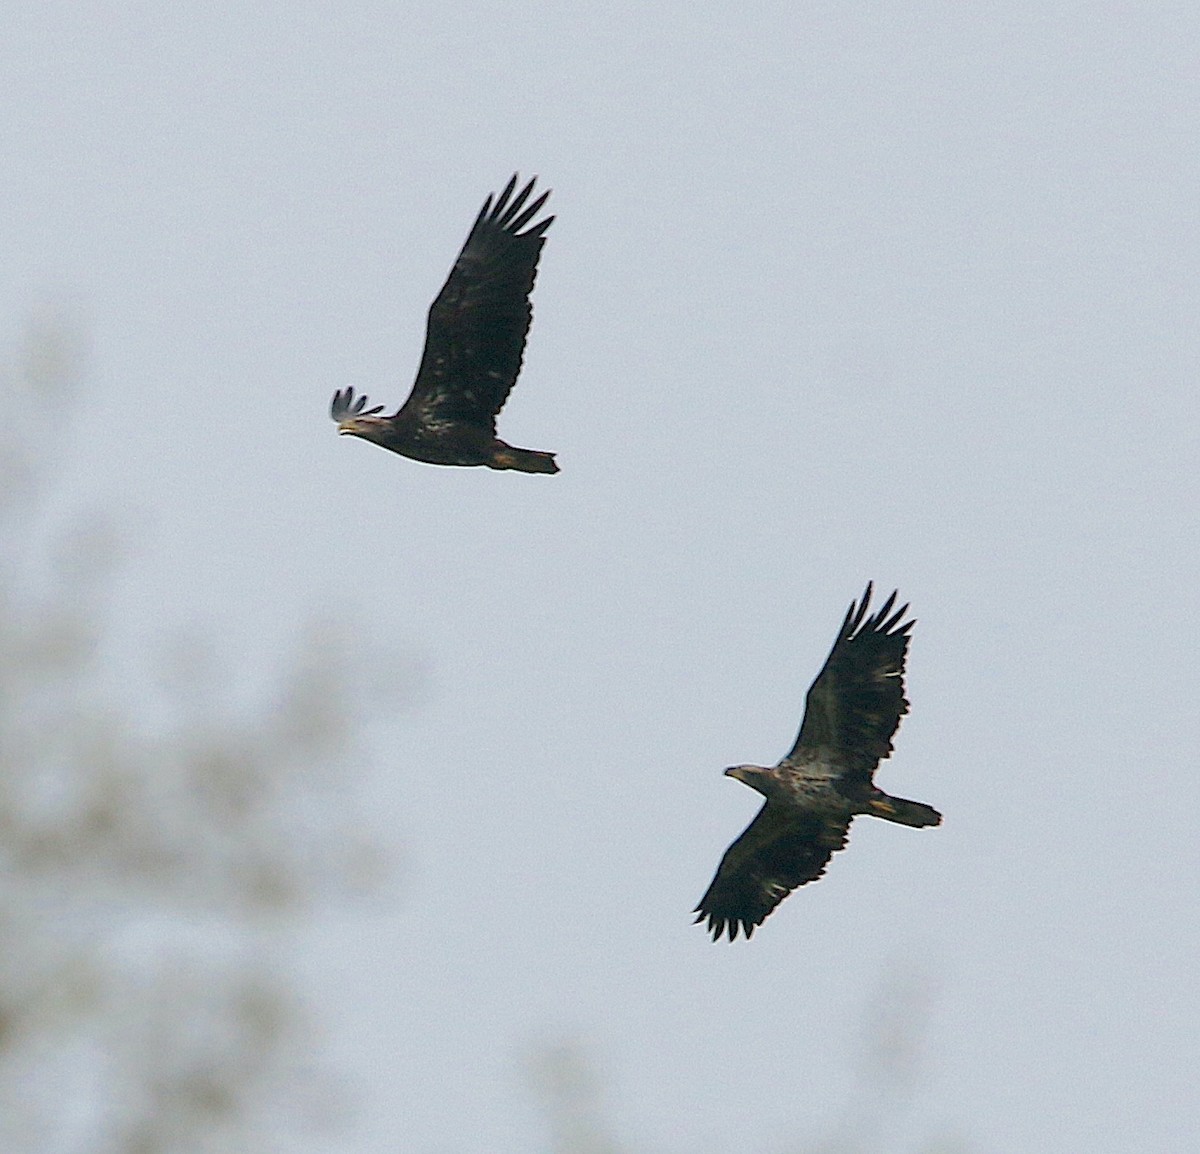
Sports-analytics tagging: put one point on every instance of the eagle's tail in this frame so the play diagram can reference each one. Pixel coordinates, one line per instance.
(523, 460)
(903, 811)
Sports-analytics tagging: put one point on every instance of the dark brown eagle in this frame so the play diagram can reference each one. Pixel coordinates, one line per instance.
(474, 342)
(825, 781)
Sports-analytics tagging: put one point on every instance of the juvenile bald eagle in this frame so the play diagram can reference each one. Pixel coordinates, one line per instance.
(816, 791)
(474, 342)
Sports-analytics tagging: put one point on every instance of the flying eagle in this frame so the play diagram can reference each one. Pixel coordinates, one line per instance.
(474, 341)
(816, 791)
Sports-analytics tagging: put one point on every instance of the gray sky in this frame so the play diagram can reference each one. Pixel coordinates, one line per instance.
(899, 291)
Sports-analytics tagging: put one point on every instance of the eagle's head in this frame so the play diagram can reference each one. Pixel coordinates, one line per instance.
(755, 776)
(371, 428)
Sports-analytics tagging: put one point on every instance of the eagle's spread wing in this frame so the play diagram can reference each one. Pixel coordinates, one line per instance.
(475, 336)
(344, 406)
(782, 848)
(855, 704)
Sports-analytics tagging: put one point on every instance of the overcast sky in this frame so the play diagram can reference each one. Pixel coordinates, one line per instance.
(836, 292)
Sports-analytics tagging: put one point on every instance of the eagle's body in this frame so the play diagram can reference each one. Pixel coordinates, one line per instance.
(826, 780)
(474, 344)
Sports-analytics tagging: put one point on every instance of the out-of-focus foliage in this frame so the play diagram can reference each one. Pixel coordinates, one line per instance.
(882, 1098)
(875, 1115)
(569, 1091)
(155, 856)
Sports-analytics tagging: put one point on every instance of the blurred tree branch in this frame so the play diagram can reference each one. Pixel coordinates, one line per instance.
(877, 1109)
(152, 874)
(569, 1089)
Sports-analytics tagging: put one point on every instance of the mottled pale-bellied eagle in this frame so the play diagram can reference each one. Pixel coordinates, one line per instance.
(474, 342)
(816, 791)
